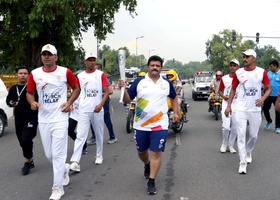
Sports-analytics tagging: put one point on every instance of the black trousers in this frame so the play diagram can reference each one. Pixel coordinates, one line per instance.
(266, 107)
(71, 131)
(25, 134)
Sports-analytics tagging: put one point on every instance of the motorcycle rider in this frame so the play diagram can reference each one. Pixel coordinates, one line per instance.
(177, 84)
(215, 84)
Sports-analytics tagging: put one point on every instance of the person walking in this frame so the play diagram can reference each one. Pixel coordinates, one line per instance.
(228, 123)
(274, 77)
(94, 94)
(151, 120)
(73, 121)
(250, 78)
(26, 120)
(107, 116)
(51, 82)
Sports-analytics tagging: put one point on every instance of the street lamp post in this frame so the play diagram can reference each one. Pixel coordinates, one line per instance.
(136, 49)
(150, 52)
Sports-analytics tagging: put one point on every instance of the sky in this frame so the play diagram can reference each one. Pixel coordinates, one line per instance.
(179, 29)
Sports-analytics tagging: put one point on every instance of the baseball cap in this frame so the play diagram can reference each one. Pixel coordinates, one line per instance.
(234, 61)
(250, 52)
(50, 48)
(90, 55)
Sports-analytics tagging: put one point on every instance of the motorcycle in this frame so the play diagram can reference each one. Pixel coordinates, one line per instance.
(216, 103)
(177, 126)
(130, 116)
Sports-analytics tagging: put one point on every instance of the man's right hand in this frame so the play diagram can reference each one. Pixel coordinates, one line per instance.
(35, 105)
(228, 111)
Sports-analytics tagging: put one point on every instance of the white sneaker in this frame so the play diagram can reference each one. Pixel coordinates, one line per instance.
(75, 167)
(242, 168)
(66, 178)
(57, 193)
(223, 148)
(248, 158)
(98, 160)
(112, 141)
(231, 149)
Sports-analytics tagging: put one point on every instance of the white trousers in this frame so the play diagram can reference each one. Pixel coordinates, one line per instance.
(228, 129)
(54, 138)
(84, 121)
(254, 119)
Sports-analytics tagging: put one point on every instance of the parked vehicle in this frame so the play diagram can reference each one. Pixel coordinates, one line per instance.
(5, 112)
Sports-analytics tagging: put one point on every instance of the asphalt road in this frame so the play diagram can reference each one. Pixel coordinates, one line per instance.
(193, 170)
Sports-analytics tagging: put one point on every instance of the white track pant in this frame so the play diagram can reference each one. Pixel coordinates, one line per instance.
(228, 129)
(254, 119)
(54, 138)
(97, 121)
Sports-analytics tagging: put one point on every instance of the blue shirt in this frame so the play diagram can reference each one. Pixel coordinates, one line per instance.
(274, 82)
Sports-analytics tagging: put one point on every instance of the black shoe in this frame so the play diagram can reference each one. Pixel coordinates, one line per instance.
(26, 167)
(209, 109)
(147, 171)
(85, 151)
(151, 187)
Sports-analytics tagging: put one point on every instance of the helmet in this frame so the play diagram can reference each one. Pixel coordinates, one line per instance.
(141, 74)
(171, 75)
(219, 73)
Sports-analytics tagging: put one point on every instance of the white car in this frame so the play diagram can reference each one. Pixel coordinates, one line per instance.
(5, 112)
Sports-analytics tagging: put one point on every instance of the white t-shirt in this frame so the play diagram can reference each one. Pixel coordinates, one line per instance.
(91, 85)
(74, 114)
(250, 87)
(225, 86)
(151, 111)
(52, 91)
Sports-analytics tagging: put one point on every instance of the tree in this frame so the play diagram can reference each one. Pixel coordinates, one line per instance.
(266, 55)
(28, 25)
(222, 48)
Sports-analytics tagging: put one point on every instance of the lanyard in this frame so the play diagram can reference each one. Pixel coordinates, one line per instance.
(19, 93)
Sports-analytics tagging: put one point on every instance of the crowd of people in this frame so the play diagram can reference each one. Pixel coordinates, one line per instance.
(42, 94)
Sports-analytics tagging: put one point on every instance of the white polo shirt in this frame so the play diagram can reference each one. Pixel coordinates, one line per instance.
(151, 111)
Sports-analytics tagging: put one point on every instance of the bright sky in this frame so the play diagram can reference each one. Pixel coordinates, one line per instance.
(179, 28)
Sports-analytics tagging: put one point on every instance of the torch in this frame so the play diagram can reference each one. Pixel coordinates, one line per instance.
(121, 55)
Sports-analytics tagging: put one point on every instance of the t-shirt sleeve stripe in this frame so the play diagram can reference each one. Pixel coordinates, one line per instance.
(31, 85)
(71, 79)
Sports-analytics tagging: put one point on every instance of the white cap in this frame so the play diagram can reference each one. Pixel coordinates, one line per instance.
(90, 55)
(234, 61)
(250, 52)
(50, 48)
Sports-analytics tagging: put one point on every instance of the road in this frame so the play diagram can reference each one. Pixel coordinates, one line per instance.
(193, 170)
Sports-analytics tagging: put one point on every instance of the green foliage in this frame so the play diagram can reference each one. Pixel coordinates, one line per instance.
(28, 25)
(266, 55)
(221, 49)
(186, 71)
